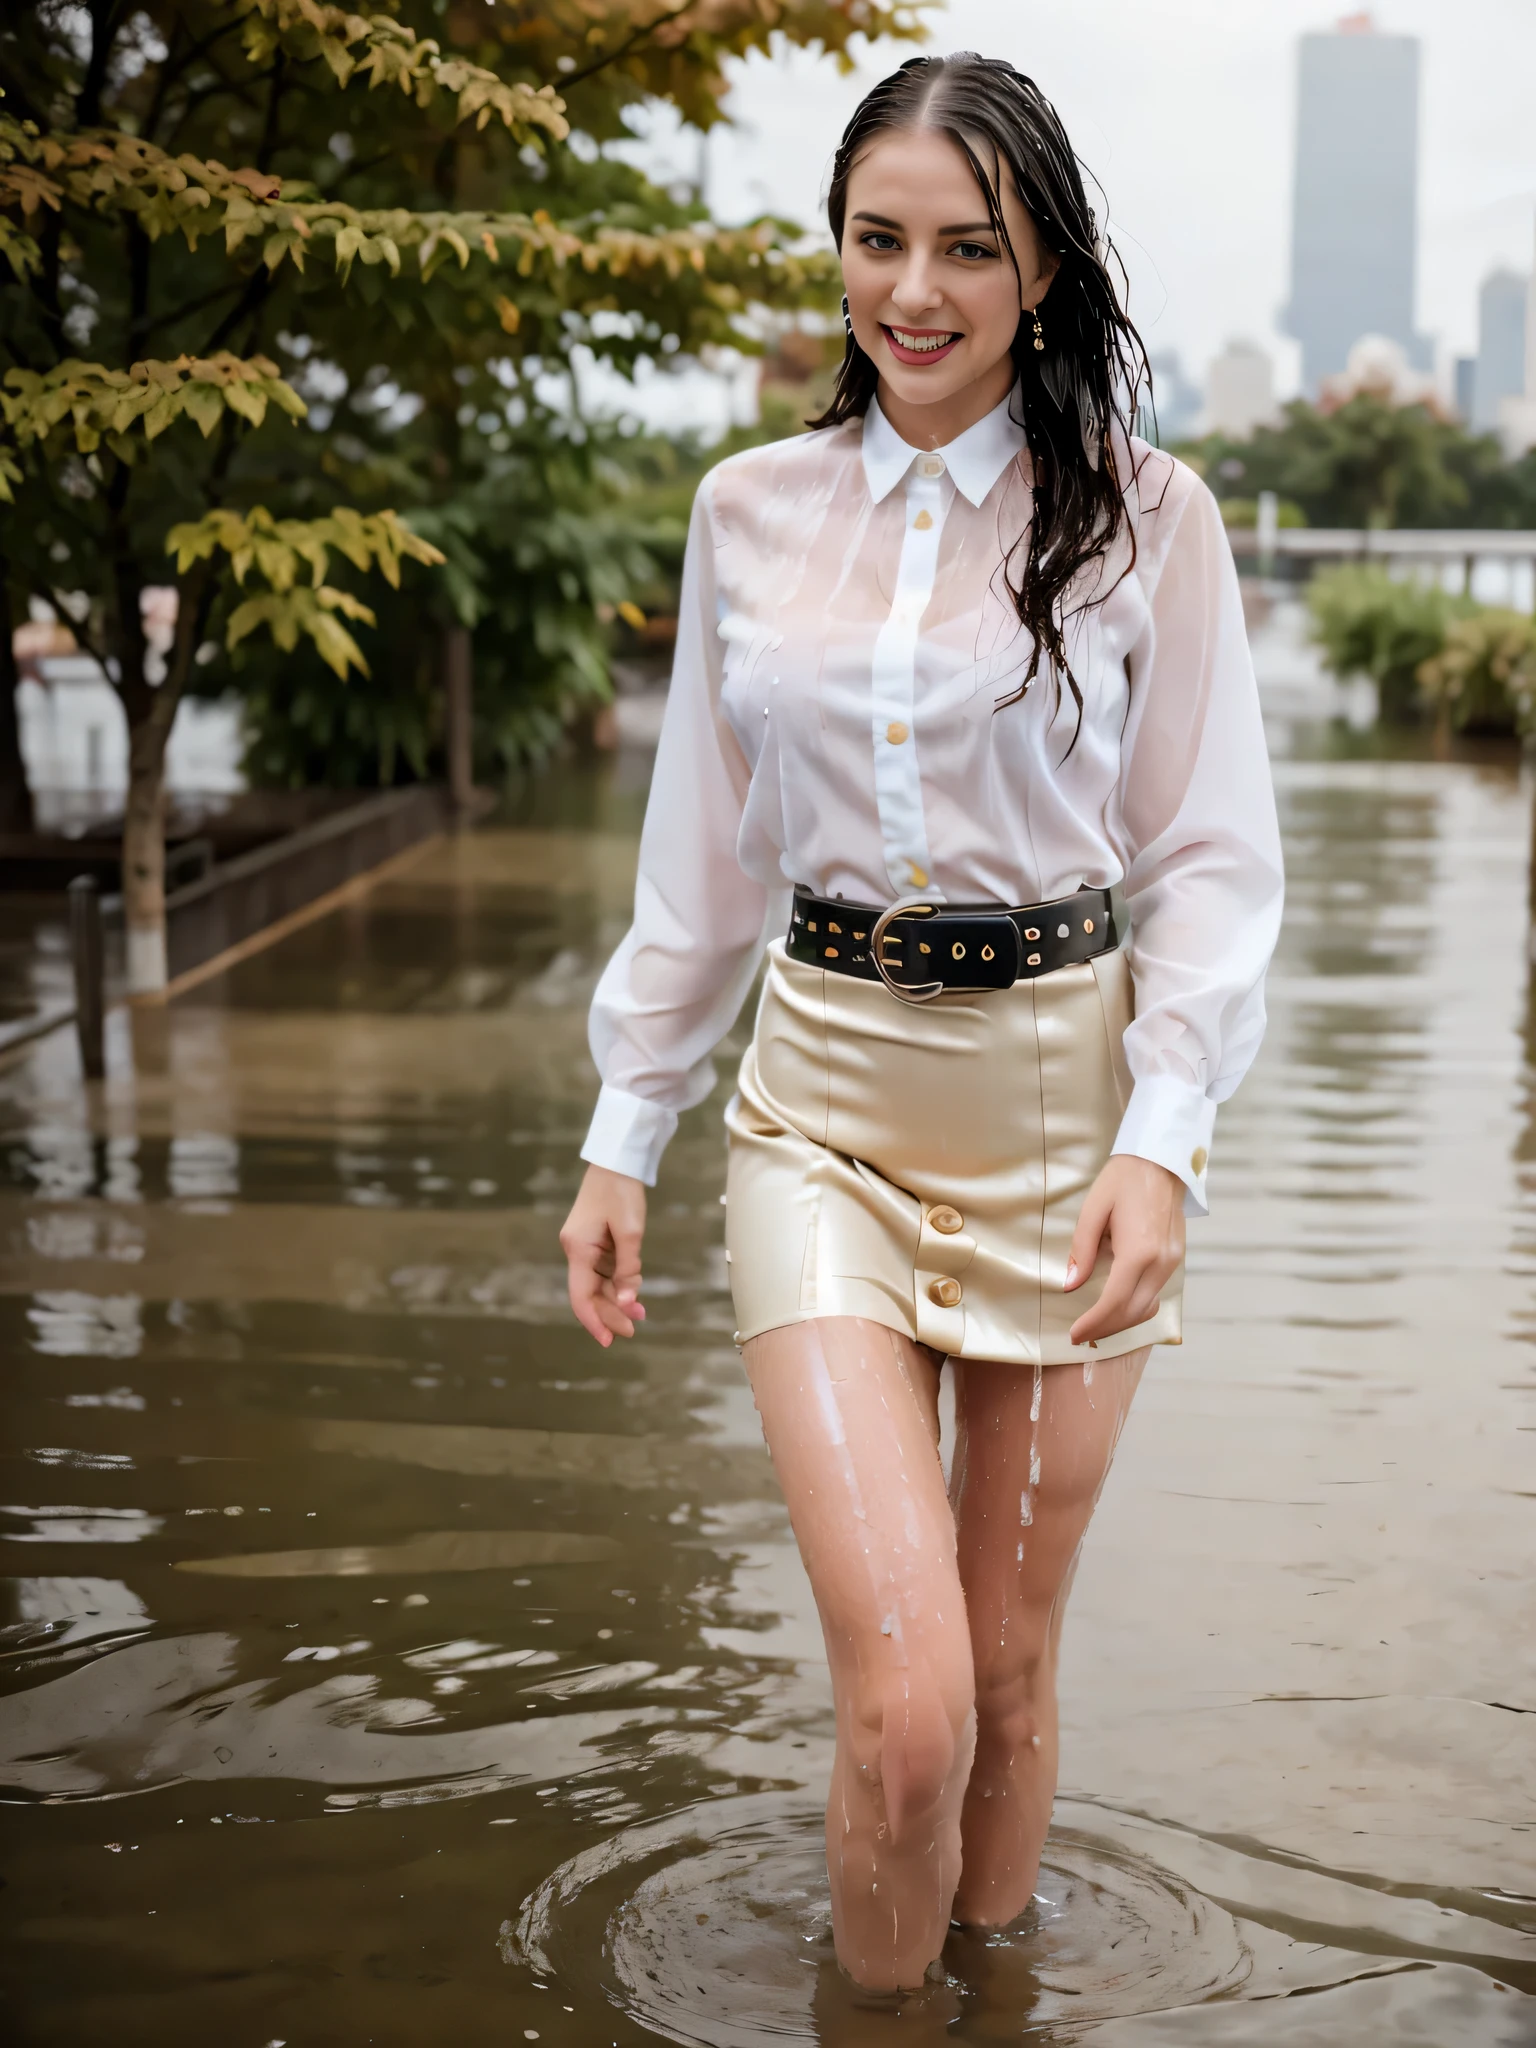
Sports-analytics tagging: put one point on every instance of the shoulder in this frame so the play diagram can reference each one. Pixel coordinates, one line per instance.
(1164, 500)
(743, 484)
(1160, 489)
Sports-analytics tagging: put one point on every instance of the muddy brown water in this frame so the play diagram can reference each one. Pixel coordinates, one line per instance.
(384, 1664)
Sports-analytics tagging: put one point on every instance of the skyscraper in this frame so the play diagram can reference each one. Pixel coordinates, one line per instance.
(1354, 220)
(1500, 371)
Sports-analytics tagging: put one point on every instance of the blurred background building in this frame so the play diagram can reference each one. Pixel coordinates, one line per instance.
(1516, 417)
(1498, 368)
(1354, 219)
(1240, 391)
(1177, 400)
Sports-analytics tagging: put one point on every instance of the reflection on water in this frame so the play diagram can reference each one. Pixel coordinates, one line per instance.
(382, 1663)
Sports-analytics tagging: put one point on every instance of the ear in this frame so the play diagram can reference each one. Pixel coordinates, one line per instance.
(1031, 295)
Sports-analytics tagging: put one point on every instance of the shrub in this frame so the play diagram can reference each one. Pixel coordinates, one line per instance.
(1484, 678)
(1243, 513)
(1366, 623)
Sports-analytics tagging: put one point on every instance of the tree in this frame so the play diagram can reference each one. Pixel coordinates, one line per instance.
(278, 383)
(1371, 463)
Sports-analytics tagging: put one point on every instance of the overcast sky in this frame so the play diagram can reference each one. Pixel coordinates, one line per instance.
(1185, 109)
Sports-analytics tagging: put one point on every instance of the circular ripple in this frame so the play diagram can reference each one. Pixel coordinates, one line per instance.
(712, 1927)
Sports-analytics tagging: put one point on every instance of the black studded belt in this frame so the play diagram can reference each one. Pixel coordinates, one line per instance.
(921, 950)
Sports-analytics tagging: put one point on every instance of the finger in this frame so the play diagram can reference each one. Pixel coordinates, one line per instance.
(623, 1302)
(614, 1319)
(626, 1262)
(1087, 1239)
(586, 1313)
(585, 1287)
(1111, 1313)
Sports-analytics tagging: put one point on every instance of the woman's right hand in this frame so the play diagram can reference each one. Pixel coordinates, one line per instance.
(601, 1241)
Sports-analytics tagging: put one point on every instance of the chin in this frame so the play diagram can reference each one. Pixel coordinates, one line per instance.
(925, 387)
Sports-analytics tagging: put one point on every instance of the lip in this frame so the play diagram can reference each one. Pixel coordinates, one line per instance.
(920, 358)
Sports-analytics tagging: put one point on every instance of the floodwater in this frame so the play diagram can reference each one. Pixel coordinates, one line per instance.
(385, 1664)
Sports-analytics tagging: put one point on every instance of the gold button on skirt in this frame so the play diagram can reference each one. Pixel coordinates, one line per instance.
(923, 1166)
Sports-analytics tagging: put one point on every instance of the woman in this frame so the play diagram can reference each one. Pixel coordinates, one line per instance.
(955, 665)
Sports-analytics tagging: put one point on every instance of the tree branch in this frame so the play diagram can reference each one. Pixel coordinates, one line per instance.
(139, 337)
(630, 42)
(269, 136)
(174, 69)
(258, 287)
(104, 25)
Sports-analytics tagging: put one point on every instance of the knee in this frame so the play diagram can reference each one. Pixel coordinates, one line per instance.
(912, 1739)
(1010, 1690)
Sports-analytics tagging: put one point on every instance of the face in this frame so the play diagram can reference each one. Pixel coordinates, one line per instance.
(933, 293)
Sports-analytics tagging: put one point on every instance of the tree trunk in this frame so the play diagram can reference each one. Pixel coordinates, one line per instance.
(15, 791)
(459, 716)
(151, 712)
(144, 853)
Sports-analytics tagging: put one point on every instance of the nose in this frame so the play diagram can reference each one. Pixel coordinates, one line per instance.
(917, 291)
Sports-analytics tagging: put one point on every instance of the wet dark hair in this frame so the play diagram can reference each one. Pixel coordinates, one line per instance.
(1089, 377)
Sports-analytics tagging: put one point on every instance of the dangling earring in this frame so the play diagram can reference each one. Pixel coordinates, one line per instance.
(847, 320)
(1039, 335)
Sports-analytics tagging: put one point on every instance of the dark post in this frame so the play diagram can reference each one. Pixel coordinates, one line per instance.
(458, 717)
(85, 945)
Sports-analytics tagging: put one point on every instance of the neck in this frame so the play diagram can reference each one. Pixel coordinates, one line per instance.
(937, 424)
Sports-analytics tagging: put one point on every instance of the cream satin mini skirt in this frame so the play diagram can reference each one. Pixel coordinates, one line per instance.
(923, 1165)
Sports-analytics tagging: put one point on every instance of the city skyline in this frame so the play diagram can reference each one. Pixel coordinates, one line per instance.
(1187, 112)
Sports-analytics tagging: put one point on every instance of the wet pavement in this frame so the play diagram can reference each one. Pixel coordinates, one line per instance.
(319, 1516)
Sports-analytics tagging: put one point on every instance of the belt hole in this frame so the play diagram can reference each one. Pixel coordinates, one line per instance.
(1087, 924)
(987, 953)
(923, 946)
(831, 952)
(1033, 960)
(839, 930)
(1030, 934)
(1063, 931)
(957, 951)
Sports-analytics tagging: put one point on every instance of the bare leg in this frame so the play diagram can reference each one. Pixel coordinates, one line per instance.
(850, 1412)
(1032, 1452)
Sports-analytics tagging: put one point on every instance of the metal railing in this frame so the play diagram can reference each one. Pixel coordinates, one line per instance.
(1387, 543)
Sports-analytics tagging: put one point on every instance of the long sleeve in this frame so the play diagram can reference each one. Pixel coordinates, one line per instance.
(1204, 879)
(675, 985)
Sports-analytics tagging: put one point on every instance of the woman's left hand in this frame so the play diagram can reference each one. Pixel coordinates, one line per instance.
(1140, 1208)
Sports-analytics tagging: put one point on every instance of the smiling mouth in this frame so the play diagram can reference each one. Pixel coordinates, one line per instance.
(915, 345)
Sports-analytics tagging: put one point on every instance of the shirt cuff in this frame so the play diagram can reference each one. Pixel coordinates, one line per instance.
(1170, 1122)
(628, 1134)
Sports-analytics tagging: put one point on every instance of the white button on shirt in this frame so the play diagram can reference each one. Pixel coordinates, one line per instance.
(845, 639)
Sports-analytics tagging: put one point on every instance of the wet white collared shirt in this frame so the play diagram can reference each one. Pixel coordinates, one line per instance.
(837, 717)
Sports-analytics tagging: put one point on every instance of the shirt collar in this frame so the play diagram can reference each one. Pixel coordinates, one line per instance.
(975, 459)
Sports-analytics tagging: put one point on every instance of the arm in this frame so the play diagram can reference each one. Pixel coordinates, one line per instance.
(676, 983)
(1204, 886)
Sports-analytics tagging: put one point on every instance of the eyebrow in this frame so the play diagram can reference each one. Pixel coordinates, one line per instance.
(969, 227)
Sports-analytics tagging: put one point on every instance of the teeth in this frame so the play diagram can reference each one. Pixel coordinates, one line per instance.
(922, 343)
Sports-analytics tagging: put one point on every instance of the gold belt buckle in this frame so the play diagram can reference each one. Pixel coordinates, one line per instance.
(915, 906)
